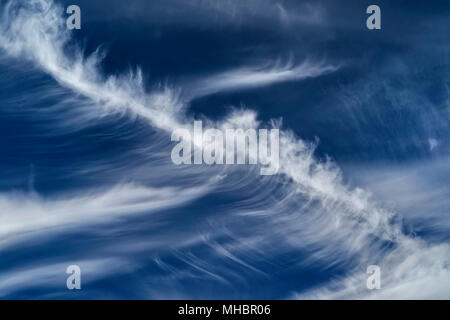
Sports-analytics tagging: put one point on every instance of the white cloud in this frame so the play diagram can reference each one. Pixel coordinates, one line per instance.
(53, 274)
(258, 76)
(317, 209)
(28, 214)
(433, 143)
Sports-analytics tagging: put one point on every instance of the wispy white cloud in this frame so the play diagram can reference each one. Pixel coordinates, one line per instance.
(258, 76)
(53, 274)
(315, 209)
(25, 214)
(412, 271)
(232, 13)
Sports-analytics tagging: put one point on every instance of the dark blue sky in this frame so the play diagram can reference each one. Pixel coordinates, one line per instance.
(84, 184)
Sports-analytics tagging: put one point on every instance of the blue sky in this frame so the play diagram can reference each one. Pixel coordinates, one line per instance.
(87, 177)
